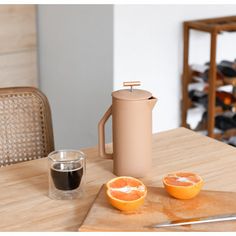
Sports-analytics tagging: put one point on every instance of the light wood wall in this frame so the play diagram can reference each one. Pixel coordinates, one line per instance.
(18, 46)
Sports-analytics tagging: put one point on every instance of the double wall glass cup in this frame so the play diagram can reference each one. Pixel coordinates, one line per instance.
(67, 171)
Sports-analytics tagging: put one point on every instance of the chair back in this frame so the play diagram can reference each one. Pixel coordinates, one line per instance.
(25, 125)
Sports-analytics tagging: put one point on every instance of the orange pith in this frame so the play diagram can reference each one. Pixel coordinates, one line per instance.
(126, 193)
(183, 185)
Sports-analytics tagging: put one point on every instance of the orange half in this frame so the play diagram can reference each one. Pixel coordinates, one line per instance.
(183, 185)
(126, 193)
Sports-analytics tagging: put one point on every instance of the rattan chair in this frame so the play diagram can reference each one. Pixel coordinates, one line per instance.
(25, 125)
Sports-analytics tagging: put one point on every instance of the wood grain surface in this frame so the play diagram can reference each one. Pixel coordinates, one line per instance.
(18, 48)
(18, 69)
(24, 201)
(158, 208)
(17, 28)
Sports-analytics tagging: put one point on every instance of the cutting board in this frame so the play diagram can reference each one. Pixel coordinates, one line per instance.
(159, 207)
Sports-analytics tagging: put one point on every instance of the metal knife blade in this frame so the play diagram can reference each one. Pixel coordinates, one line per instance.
(199, 220)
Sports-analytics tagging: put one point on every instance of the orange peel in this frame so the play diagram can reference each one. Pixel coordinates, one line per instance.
(126, 193)
(183, 185)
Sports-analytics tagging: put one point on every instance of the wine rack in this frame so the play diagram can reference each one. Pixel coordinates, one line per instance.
(214, 27)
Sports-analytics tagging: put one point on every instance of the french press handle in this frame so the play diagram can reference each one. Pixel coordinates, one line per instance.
(101, 134)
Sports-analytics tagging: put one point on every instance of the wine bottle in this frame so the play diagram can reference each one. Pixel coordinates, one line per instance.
(199, 97)
(227, 68)
(225, 121)
(222, 122)
(219, 75)
(202, 73)
(198, 72)
(231, 64)
(223, 99)
(199, 86)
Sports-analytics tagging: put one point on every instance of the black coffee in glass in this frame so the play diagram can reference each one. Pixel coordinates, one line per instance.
(67, 176)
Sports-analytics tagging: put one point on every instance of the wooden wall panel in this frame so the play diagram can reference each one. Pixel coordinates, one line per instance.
(18, 45)
(18, 69)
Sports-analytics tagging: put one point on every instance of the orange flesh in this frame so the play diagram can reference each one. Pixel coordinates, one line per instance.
(133, 195)
(120, 183)
(121, 189)
(182, 179)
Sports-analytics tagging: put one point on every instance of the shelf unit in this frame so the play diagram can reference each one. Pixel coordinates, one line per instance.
(214, 27)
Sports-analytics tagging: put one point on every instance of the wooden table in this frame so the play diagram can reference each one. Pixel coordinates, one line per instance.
(25, 206)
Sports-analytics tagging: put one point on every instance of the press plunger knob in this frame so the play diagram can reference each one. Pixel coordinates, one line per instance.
(131, 84)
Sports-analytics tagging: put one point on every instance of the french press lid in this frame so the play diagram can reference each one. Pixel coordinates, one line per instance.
(131, 94)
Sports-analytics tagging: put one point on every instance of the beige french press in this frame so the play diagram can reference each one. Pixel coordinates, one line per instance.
(131, 112)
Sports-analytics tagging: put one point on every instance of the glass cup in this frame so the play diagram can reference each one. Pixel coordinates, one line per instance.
(67, 172)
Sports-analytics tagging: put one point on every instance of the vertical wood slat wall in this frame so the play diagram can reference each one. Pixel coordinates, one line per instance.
(18, 46)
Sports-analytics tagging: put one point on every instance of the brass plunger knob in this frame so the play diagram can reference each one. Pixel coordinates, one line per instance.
(131, 84)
